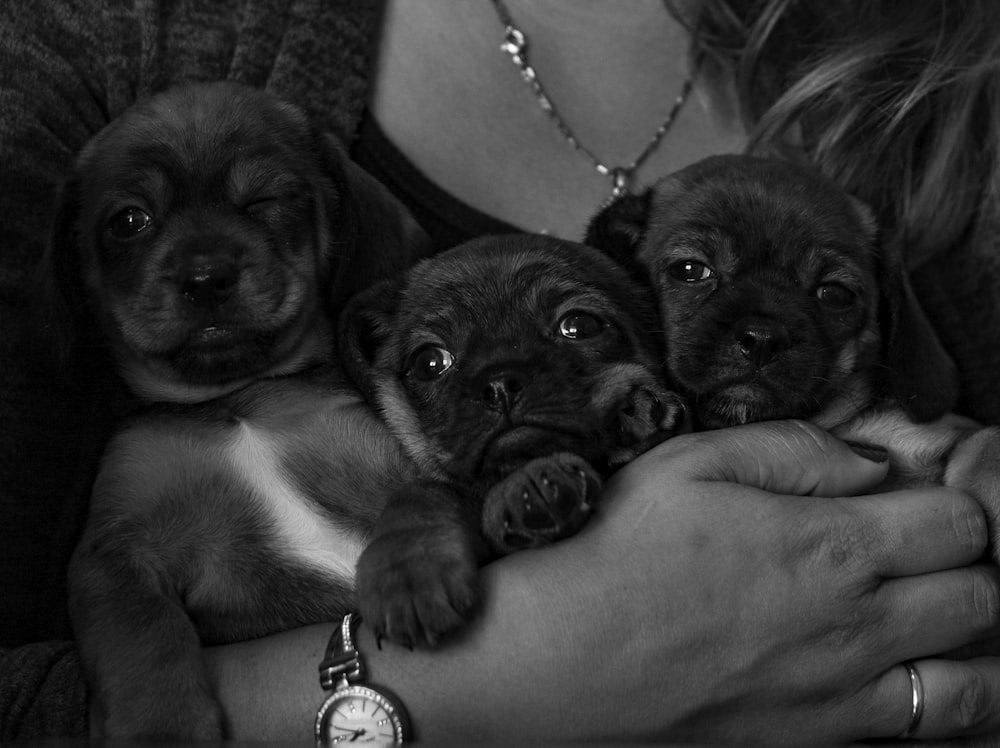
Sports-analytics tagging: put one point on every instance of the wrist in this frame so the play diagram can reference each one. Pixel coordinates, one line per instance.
(355, 709)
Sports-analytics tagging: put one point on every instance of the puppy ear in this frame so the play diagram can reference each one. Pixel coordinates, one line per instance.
(619, 228)
(58, 299)
(920, 375)
(365, 325)
(383, 237)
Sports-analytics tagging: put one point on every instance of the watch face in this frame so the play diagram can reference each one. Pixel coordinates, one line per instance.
(356, 714)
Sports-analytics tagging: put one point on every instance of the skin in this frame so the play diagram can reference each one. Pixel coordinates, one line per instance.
(613, 76)
(692, 537)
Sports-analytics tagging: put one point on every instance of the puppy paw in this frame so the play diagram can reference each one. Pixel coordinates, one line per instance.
(648, 412)
(414, 587)
(648, 416)
(547, 499)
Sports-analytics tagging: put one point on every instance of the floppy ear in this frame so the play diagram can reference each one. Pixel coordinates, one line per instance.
(619, 228)
(58, 299)
(383, 237)
(366, 324)
(920, 375)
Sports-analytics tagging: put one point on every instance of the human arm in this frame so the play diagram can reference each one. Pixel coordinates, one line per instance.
(693, 606)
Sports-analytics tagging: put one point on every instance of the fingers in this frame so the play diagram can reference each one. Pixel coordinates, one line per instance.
(960, 698)
(785, 457)
(859, 583)
(916, 531)
(887, 535)
(912, 556)
(938, 612)
(944, 699)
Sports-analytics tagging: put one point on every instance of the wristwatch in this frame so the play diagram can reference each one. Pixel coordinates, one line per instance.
(354, 713)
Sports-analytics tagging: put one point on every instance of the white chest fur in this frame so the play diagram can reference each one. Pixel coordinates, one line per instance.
(299, 527)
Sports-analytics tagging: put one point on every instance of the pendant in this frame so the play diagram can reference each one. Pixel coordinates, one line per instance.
(619, 178)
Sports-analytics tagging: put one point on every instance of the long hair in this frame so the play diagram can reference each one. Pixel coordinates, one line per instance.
(897, 100)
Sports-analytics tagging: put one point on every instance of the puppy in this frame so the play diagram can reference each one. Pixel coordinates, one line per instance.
(777, 301)
(517, 372)
(209, 236)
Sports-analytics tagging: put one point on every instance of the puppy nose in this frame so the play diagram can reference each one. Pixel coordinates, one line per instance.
(208, 282)
(760, 340)
(500, 388)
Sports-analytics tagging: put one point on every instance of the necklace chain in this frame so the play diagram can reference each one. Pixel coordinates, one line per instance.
(515, 44)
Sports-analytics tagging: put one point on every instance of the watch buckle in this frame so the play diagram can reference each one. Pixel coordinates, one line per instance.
(344, 665)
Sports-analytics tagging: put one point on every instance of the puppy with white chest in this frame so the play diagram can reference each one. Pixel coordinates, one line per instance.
(517, 371)
(207, 238)
(777, 301)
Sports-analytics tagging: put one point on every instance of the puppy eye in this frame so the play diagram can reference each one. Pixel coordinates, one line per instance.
(129, 223)
(430, 362)
(835, 296)
(580, 325)
(690, 271)
(259, 205)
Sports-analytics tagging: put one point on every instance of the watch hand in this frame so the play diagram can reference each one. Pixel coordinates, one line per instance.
(357, 734)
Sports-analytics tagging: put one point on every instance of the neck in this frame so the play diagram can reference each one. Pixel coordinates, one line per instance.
(612, 70)
(598, 60)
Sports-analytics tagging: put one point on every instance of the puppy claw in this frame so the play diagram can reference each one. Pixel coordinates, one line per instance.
(416, 586)
(546, 499)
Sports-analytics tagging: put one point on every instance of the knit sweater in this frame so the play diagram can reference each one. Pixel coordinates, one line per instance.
(68, 68)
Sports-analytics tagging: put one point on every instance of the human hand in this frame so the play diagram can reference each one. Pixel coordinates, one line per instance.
(718, 597)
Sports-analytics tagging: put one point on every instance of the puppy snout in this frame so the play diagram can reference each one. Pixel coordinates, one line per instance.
(209, 284)
(499, 389)
(760, 340)
(208, 279)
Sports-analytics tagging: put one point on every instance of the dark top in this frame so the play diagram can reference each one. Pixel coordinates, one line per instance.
(446, 218)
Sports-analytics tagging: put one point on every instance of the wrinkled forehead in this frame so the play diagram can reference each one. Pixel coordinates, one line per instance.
(454, 293)
(484, 280)
(197, 149)
(778, 218)
(190, 132)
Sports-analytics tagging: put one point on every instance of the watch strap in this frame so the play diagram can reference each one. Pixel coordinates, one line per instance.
(341, 661)
(339, 672)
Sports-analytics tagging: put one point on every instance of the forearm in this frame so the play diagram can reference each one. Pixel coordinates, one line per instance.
(689, 608)
(270, 688)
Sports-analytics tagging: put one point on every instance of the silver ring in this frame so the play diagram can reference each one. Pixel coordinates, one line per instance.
(917, 710)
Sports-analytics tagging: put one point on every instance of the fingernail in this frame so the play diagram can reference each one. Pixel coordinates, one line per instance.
(872, 452)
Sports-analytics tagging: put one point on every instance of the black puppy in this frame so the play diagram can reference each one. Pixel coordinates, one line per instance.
(208, 236)
(517, 371)
(777, 301)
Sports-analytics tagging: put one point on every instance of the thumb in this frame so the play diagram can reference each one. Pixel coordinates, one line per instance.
(785, 457)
